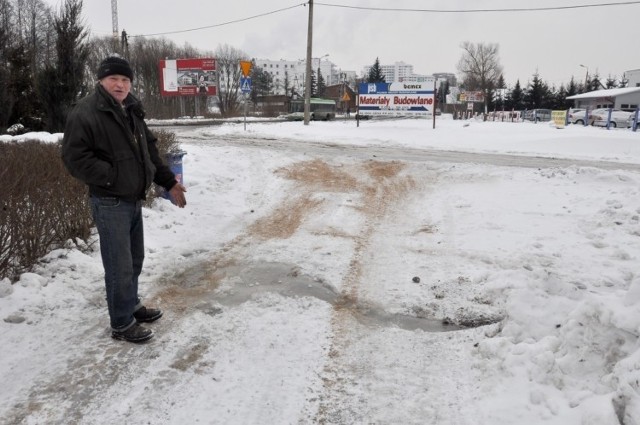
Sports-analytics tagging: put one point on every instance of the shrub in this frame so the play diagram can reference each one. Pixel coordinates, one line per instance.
(41, 205)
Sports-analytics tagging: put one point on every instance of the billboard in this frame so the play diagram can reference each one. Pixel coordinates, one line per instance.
(471, 96)
(188, 77)
(396, 98)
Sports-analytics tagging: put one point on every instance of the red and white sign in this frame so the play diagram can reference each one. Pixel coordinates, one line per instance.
(472, 96)
(188, 77)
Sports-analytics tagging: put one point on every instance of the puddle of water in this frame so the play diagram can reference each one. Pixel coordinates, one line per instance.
(239, 283)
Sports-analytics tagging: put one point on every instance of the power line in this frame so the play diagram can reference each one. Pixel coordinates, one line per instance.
(386, 9)
(528, 9)
(223, 23)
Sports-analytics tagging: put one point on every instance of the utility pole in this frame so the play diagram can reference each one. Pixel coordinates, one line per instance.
(307, 83)
(114, 22)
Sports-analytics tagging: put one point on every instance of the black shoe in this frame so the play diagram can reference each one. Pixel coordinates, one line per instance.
(134, 333)
(148, 315)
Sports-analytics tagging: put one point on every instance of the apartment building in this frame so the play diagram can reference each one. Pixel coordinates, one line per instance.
(295, 72)
(632, 77)
(399, 71)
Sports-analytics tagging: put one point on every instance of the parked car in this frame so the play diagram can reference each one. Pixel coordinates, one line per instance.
(577, 116)
(538, 115)
(631, 119)
(618, 118)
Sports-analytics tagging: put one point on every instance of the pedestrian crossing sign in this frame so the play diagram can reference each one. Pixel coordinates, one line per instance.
(245, 85)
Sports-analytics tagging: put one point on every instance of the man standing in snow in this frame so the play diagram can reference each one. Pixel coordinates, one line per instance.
(108, 146)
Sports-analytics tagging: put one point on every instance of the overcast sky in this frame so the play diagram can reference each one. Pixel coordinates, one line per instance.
(555, 43)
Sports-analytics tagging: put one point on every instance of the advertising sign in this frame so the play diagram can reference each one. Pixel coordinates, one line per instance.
(559, 118)
(188, 77)
(471, 96)
(396, 98)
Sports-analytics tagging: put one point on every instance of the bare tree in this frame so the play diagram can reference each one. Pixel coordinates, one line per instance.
(480, 68)
(228, 63)
(144, 55)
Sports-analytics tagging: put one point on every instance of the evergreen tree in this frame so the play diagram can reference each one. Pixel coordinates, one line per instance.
(515, 98)
(61, 85)
(490, 96)
(287, 83)
(375, 73)
(612, 82)
(623, 82)
(554, 98)
(320, 85)
(24, 108)
(537, 94)
(572, 88)
(559, 98)
(594, 83)
(261, 83)
(314, 84)
(6, 38)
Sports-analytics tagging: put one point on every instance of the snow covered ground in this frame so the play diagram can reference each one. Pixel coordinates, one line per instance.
(314, 277)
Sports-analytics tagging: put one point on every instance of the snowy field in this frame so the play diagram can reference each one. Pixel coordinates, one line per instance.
(315, 277)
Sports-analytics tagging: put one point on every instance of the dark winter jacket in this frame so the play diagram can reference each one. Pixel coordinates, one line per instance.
(111, 149)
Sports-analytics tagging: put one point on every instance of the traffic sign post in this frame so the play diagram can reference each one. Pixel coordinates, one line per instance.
(245, 87)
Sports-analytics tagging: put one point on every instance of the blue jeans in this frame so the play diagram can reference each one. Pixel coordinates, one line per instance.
(119, 225)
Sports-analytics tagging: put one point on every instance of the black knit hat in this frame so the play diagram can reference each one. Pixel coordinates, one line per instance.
(113, 65)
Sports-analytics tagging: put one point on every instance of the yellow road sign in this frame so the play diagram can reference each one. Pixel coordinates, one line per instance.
(246, 68)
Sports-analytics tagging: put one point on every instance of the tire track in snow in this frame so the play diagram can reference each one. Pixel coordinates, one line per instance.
(386, 186)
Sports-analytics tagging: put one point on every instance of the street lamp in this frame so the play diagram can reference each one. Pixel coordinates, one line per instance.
(320, 59)
(318, 74)
(586, 78)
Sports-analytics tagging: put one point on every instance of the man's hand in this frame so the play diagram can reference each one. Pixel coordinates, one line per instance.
(177, 195)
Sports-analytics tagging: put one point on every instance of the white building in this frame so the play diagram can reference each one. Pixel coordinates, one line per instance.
(295, 72)
(446, 76)
(399, 71)
(633, 78)
(627, 98)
